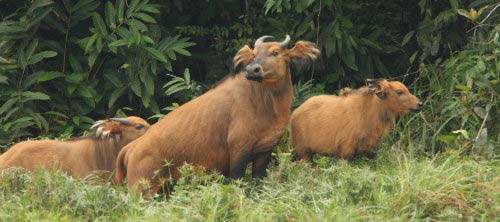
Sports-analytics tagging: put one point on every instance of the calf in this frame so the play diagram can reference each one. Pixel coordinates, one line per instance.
(352, 123)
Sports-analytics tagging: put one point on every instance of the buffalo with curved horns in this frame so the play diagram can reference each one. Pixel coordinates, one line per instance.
(236, 123)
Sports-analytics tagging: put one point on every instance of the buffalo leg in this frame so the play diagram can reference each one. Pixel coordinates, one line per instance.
(303, 154)
(259, 164)
(238, 165)
(370, 155)
(146, 170)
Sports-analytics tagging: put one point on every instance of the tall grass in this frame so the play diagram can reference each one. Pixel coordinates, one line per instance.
(397, 186)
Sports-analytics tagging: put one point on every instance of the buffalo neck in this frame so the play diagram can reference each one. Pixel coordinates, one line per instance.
(273, 99)
(375, 108)
(106, 152)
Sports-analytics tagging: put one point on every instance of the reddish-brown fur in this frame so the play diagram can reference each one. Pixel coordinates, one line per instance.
(237, 122)
(353, 123)
(77, 157)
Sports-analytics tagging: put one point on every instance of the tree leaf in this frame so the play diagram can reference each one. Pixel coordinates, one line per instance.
(99, 24)
(114, 79)
(81, 4)
(115, 95)
(117, 43)
(40, 76)
(182, 51)
(54, 113)
(46, 76)
(35, 96)
(7, 105)
(187, 76)
(175, 88)
(464, 13)
(75, 77)
(121, 8)
(148, 39)
(90, 42)
(149, 83)
(31, 49)
(40, 121)
(407, 37)
(98, 44)
(156, 54)
(110, 15)
(136, 86)
(145, 17)
(38, 4)
(40, 56)
(152, 8)
(131, 7)
(75, 64)
(38, 18)
(85, 91)
(91, 59)
(138, 25)
(412, 58)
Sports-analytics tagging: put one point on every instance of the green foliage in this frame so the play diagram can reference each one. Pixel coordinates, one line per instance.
(96, 59)
(354, 46)
(185, 87)
(56, 196)
(303, 91)
(462, 95)
(399, 185)
(64, 64)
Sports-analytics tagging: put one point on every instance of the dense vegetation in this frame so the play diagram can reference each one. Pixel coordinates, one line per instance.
(65, 64)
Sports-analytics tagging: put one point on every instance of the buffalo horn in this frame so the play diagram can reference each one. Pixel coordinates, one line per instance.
(121, 120)
(261, 39)
(285, 42)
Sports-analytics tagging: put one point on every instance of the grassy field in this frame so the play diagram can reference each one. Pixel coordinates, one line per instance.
(400, 185)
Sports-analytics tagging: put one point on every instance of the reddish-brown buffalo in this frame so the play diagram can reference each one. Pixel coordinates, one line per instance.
(236, 123)
(354, 122)
(81, 156)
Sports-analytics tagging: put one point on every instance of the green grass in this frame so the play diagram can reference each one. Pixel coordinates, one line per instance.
(397, 186)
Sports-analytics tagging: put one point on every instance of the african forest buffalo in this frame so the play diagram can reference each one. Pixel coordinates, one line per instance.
(237, 122)
(77, 157)
(355, 122)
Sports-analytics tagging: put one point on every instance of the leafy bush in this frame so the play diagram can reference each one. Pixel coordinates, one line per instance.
(63, 64)
(461, 94)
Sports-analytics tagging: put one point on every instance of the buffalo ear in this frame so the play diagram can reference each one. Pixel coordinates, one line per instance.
(381, 95)
(242, 58)
(379, 87)
(303, 52)
(372, 82)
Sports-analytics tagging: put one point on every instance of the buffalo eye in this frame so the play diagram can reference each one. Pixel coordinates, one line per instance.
(140, 126)
(399, 92)
(275, 53)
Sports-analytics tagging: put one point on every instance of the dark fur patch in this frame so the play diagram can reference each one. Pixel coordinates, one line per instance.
(385, 117)
(106, 152)
(239, 68)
